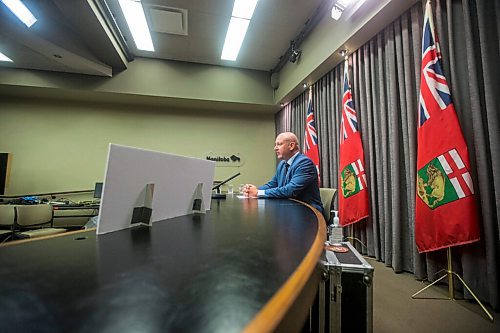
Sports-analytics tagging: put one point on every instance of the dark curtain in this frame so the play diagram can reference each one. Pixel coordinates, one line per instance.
(385, 79)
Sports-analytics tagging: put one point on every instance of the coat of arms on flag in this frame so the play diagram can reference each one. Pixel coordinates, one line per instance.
(443, 180)
(353, 179)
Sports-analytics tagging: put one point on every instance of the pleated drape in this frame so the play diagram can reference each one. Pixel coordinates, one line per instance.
(385, 79)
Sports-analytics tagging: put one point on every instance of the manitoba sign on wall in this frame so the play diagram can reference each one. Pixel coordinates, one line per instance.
(225, 159)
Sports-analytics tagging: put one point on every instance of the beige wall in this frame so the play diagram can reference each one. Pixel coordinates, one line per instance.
(62, 145)
(158, 78)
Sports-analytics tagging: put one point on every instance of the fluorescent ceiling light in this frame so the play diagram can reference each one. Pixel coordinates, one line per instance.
(21, 11)
(242, 13)
(344, 3)
(244, 8)
(3, 57)
(234, 38)
(136, 20)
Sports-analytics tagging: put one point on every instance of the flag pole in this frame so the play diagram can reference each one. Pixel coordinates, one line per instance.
(451, 293)
(436, 107)
(449, 273)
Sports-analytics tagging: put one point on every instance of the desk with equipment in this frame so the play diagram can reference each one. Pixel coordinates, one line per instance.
(77, 210)
(83, 210)
(245, 264)
(71, 209)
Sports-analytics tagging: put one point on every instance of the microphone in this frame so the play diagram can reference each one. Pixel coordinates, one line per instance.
(219, 195)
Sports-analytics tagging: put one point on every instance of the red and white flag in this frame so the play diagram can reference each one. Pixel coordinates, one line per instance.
(353, 194)
(311, 136)
(446, 209)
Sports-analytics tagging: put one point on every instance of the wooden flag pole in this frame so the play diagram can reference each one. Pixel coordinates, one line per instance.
(451, 292)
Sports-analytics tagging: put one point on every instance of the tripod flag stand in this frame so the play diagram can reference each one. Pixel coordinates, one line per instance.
(451, 294)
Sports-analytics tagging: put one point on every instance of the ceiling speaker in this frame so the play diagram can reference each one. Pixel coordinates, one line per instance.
(275, 80)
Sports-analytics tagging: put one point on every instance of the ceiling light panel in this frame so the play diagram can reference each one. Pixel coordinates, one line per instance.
(234, 38)
(3, 57)
(238, 25)
(345, 3)
(136, 20)
(244, 8)
(21, 11)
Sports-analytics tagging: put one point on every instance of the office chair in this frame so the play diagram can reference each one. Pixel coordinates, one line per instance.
(34, 221)
(7, 216)
(327, 195)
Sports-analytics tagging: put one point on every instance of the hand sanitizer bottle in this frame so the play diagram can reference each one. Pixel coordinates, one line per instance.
(336, 235)
(336, 218)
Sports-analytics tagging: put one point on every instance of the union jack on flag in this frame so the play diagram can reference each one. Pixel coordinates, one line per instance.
(434, 92)
(311, 137)
(348, 114)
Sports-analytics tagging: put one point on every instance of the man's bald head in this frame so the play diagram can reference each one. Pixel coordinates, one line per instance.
(289, 137)
(286, 145)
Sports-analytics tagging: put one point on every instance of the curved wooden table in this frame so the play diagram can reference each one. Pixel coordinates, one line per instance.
(247, 265)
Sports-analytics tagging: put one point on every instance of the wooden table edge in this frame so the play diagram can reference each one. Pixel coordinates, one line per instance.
(271, 315)
(27, 240)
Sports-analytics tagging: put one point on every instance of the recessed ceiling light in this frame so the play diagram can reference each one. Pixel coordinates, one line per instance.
(238, 25)
(136, 20)
(244, 8)
(234, 38)
(344, 3)
(21, 11)
(3, 57)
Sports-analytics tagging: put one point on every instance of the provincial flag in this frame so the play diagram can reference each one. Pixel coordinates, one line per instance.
(353, 194)
(446, 209)
(311, 136)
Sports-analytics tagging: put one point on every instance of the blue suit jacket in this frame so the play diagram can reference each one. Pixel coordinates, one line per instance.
(300, 182)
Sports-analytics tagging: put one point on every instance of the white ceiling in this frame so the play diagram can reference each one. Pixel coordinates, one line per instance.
(72, 36)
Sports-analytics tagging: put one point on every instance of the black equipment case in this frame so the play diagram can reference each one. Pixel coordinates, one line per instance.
(346, 293)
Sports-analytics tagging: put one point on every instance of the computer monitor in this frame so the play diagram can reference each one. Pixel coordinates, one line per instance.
(98, 190)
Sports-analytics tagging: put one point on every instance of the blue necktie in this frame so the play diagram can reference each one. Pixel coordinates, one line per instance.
(286, 172)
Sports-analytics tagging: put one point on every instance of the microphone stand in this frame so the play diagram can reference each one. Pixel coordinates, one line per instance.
(219, 195)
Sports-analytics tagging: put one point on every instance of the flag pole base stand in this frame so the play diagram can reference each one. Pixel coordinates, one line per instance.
(352, 238)
(451, 295)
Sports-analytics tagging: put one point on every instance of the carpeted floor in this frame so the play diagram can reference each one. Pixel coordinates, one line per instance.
(395, 311)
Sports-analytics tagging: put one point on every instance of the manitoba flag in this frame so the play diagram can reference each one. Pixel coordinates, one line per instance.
(353, 194)
(446, 212)
(311, 136)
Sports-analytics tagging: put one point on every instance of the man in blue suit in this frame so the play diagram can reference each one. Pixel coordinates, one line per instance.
(296, 176)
